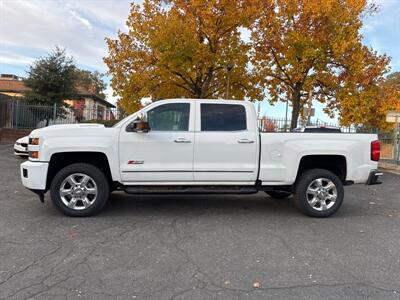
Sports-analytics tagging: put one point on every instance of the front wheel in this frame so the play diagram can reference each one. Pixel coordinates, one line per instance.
(318, 193)
(79, 190)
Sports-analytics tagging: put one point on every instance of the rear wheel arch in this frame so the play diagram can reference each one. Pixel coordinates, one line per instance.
(336, 164)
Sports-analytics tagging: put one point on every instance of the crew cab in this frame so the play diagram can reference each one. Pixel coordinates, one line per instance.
(195, 146)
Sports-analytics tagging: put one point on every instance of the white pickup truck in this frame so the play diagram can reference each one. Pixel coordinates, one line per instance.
(195, 146)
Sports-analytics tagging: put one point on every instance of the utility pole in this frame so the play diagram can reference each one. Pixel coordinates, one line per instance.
(309, 109)
(229, 68)
(396, 140)
(287, 106)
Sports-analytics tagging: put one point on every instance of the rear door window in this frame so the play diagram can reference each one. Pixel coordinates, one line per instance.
(223, 117)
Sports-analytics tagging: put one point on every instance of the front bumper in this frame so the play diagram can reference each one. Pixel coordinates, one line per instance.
(374, 177)
(34, 175)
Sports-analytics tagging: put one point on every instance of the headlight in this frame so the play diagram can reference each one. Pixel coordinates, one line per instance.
(34, 141)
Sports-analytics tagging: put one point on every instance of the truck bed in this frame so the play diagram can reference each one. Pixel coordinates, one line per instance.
(282, 152)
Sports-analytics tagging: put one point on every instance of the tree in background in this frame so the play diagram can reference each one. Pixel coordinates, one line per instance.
(182, 49)
(308, 50)
(92, 81)
(370, 109)
(392, 87)
(51, 80)
(299, 51)
(390, 93)
(393, 80)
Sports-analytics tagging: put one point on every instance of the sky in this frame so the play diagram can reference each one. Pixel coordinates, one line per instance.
(31, 28)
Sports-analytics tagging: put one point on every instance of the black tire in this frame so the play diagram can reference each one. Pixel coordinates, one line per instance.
(279, 194)
(301, 196)
(102, 184)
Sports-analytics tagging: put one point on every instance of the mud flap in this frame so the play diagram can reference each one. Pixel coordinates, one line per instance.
(40, 194)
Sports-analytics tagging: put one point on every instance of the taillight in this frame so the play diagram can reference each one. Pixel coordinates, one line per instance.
(375, 150)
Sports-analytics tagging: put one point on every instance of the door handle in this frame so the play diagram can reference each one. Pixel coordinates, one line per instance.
(181, 140)
(245, 141)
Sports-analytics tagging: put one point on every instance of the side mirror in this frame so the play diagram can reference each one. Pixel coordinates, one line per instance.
(138, 126)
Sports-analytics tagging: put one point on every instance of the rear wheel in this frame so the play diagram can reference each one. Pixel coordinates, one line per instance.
(279, 194)
(79, 190)
(318, 193)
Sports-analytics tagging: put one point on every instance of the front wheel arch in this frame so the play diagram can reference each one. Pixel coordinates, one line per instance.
(60, 160)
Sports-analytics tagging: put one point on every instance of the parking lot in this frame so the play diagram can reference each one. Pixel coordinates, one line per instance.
(198, 247)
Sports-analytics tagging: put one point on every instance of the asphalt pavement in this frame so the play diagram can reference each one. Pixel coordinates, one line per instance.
(198, 247)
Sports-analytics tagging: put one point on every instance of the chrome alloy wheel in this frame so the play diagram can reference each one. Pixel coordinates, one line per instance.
(78, 191)
(321, 194)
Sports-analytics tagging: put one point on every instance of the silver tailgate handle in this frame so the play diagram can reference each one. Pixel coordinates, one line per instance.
(181, 140)
(245, 141)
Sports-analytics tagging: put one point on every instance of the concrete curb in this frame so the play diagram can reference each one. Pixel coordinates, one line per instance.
(389, 167)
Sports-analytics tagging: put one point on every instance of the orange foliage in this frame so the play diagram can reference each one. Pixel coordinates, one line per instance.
(181, 49)
(308, 47)
(298, 49)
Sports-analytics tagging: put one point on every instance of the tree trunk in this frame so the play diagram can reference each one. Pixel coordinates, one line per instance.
(206, 84)
(295, 109)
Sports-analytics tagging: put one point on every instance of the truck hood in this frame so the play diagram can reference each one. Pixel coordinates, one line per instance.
(67, 129)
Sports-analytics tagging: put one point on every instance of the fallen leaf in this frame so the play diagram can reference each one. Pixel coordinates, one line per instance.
(71, 236)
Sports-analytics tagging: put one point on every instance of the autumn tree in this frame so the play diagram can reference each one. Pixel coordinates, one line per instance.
(370, 106)
(391, 86)
(182, 49)
(390, 95)
(307, 50)
(394, 80)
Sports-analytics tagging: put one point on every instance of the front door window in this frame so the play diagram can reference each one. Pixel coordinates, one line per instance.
(169, 117)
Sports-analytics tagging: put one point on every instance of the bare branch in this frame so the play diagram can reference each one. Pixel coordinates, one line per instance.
(280, 67)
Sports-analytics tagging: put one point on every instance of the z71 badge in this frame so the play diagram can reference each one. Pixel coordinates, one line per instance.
(135, 162)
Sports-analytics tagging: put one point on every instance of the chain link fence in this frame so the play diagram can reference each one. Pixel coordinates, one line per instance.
(273, 124)
(390, 146)
(20, 115)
